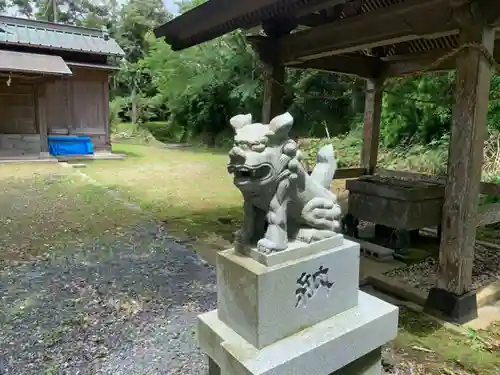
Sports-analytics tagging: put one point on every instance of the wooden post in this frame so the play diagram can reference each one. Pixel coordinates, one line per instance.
(106, 124)
(274, 91)
(371, 128)
(452, 296)
(274, 71)
(41, 118)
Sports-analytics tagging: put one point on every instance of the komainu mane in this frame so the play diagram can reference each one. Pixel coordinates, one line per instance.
(282, 202)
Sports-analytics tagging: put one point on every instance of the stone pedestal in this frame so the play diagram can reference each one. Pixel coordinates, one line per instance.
(296, 312)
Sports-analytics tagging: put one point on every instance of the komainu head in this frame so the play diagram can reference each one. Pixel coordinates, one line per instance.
(255, 159)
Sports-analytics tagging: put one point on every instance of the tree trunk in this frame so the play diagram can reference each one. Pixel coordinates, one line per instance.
(134, 106)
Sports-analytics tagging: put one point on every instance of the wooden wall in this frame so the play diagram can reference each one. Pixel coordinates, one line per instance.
(80, 104)
(17, 108)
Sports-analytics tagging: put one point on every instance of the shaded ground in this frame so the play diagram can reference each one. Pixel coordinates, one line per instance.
(123, 306)
(90, 286)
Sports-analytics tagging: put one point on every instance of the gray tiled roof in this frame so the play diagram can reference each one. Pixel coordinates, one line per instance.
(56, 36)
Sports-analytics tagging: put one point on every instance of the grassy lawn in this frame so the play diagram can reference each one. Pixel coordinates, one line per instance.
(45, 208)
(188, 190)
(426, 347)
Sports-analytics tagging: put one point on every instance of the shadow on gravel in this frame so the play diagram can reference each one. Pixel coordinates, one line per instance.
(124, 305)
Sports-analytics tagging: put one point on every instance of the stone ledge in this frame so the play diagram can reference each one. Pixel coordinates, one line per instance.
(321, 349)
(488, 294)
(485, 295)
(397, 288)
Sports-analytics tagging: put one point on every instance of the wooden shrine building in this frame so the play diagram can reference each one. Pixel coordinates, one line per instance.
(377, 39)
(53, 81)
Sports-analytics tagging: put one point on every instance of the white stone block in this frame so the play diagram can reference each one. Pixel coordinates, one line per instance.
(321, 349)
(266, 304)
(31, 137)
(295, 250)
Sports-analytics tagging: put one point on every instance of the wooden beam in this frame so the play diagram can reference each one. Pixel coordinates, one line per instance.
(486, 188)
(468, 131)
(408, 64)
(344, 173)
(322, 17)
(318, 5)
(314, 19)
(486, 11)
(371, 128)
(410, 175)
(355, 65)
(489, 188)
(412, 63)
(488, 214)
(408, 20)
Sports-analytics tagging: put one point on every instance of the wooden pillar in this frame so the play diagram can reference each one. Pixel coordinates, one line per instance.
(274, 71)
(371, 128)
(41, 118)
(106, 124)
(452, 296)
(274, 91)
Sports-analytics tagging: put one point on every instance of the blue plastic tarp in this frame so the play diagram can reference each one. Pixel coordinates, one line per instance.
(70, 145)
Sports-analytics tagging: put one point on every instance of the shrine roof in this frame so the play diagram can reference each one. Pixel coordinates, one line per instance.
(363, 32)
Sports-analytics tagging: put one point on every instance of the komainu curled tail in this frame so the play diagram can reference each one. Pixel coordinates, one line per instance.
(326, 165)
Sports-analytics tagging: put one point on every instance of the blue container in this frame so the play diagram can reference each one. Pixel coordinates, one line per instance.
(70, 145)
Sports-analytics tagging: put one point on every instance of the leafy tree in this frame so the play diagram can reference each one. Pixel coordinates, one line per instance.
(137, 19)
(417, 109)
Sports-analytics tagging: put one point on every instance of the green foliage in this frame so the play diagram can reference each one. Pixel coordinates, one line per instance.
(417, 110)
(115, 107)
(191, 94)
(137, 19)
(323, 104)
(75, 12)
(204, 86)
(132, 133)
(164, 131)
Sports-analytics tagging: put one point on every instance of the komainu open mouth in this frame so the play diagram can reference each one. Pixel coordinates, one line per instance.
(245, 172)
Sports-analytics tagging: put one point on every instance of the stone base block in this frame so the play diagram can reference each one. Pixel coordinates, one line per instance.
(322, 349)
(264, 304)
(456, 309)
(369, 364)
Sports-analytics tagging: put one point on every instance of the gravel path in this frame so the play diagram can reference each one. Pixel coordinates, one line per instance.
(424, 275)
(125, 306)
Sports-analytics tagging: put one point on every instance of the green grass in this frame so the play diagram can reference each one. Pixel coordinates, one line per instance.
(437, 350)
(188, 190)
(45, 208)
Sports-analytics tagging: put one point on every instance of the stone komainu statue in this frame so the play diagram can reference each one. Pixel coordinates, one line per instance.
(282, 202)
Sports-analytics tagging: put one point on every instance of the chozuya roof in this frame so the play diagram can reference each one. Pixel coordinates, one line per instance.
(218, 17)
(19, 31)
